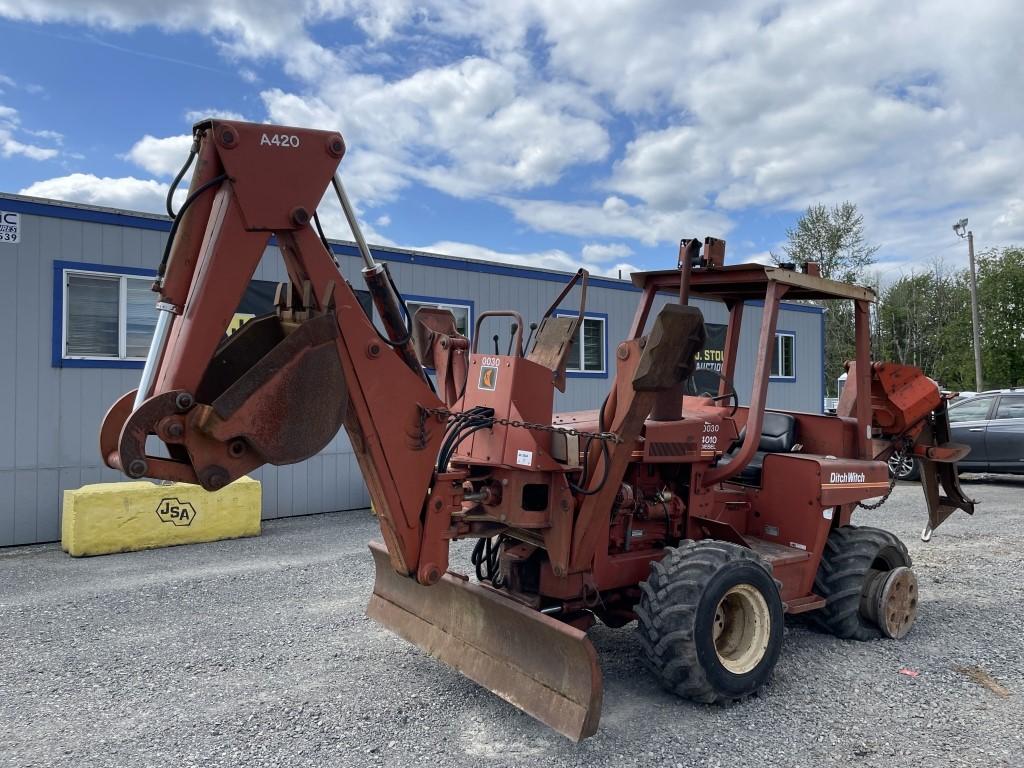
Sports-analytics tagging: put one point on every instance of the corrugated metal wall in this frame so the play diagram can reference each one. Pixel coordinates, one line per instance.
(50, 416)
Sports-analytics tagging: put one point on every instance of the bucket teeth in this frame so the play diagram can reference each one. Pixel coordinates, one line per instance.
(540, 665)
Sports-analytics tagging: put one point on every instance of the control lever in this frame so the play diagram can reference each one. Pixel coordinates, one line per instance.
(533, 327)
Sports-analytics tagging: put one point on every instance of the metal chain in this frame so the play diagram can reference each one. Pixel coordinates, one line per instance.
(610, 437)
(899, 453)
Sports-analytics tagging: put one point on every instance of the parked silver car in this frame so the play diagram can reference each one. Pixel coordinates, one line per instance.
(992, 424)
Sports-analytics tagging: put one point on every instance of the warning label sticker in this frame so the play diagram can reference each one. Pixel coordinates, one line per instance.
(488, 377)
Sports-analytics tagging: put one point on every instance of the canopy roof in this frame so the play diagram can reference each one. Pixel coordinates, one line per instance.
(749, 282)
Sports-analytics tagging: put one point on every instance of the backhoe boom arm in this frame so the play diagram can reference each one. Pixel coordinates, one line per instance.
(278, 389)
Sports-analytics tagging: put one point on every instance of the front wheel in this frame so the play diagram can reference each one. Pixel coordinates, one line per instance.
(710, 621)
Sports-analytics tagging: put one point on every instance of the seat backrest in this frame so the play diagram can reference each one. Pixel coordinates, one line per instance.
(778, 433)
(552, 343)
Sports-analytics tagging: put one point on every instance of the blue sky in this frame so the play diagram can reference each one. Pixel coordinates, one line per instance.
(594, 133)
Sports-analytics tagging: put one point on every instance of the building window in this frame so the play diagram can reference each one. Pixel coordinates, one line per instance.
(107, 316)
(588, 357)
(783, 359)
(463, 313)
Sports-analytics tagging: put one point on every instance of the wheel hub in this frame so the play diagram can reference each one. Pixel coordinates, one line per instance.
(901, 465)
(890, 601)
(742, 629)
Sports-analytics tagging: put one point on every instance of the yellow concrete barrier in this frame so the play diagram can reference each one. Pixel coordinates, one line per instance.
(123, 517)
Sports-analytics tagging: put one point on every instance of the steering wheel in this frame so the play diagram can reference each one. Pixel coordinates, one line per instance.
(691, 387)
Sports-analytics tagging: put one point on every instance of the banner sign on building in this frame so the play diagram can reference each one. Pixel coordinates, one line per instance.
(709, 361)
(10, 227)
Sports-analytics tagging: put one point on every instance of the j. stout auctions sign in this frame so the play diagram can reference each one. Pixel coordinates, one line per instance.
(709, 361)
(10, 227)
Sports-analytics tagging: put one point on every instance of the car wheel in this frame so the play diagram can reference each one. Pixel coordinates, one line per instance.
(903, 467)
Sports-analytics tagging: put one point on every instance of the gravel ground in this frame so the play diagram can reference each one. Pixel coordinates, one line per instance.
(256, 652)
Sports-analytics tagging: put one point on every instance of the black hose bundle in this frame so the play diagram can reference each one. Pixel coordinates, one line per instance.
(485, 559)
(176, 217)
(460, 428)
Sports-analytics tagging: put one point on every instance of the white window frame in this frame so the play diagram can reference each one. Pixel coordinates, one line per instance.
(122, 314)
(604, 346)
(440, 304)
(781, 376)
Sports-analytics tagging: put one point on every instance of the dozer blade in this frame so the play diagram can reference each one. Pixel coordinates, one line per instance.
(540, 665)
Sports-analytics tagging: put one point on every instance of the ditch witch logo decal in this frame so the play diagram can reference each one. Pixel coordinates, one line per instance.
(488, 377)
(176, 512)
(846, 477)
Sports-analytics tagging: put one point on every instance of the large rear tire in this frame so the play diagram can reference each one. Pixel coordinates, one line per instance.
(853, 560)
(710, 621)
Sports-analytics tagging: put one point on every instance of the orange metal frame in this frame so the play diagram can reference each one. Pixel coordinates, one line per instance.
(658, 482)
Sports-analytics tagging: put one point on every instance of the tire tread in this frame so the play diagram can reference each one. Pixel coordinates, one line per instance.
(667, 614)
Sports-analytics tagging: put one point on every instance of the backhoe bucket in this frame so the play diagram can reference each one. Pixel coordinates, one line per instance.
(544, 667)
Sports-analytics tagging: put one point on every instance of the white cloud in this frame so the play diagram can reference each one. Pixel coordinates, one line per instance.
(54, 136)
(471, 128)
(244, 29)
(10, 147)
(195, 115)
(709, 113)
(163, 157)
(789, 104)
(10, 126)
(383, 220)
(553, 258)
(606, 251)
(128, 193)
(615, 217)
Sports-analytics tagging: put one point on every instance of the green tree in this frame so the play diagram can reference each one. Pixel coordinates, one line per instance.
(834, 237)
(1001, 305)
(924, 319)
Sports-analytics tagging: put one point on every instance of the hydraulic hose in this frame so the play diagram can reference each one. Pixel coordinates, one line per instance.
(177, 219)
(177, 179)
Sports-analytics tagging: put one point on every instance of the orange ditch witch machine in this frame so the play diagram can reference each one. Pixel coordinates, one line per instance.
(703, 520)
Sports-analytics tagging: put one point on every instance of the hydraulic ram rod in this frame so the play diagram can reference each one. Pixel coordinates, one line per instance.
(385, 297)
(164, 318)
(353, 223)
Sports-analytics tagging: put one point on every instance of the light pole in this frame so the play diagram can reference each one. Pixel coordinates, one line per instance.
(960, 228)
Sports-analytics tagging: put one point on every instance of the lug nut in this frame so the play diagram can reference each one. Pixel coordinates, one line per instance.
(183, 401)
(137, 468)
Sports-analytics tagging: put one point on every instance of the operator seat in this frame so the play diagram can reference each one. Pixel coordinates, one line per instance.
(778, 435)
